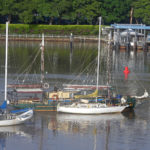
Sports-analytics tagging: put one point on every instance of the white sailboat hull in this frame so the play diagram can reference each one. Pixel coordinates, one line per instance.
(19, 119)
(86, 110)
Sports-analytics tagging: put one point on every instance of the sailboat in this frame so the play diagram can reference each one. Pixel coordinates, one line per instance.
(13, 117)
(36, 96)
(105, 106)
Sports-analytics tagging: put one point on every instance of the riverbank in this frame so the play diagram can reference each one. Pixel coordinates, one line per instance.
(53, 38)
(56, 33)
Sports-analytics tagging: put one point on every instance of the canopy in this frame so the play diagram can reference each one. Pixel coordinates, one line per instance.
(130, 26)
(130, 32)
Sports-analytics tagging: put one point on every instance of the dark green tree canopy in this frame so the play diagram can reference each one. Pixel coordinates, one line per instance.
(74, 11)
(142, 11)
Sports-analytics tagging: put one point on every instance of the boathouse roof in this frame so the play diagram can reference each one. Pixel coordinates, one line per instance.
(130, 32)
(130, 26)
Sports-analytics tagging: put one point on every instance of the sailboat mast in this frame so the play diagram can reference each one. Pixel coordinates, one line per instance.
(98, 58)
(6, 62)
(108, 64)
(42, 59)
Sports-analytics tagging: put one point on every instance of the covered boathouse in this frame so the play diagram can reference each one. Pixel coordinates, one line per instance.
(131, 36)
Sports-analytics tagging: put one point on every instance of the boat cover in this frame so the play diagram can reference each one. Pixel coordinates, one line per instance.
(4, 105)
(19, 110)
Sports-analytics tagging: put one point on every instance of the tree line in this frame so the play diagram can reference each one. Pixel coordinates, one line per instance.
(79, 12)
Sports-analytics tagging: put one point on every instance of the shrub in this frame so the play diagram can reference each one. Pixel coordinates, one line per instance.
(51, 29)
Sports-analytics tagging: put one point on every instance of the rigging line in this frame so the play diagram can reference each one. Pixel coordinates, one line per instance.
(82, 71)
(86, 68)
(137, 80)
(50, 65)
(35, 77)
(21, 69)
(85, 54)
(140, 83)
(81, 66)
(32, 62)
(12, 50)
(49, 59)
(29, 67)
(22, 65)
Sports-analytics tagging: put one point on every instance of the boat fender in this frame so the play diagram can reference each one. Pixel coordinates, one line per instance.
(55, 97)
(45, 85)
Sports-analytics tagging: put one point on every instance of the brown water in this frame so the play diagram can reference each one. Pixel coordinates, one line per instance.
(54, 131)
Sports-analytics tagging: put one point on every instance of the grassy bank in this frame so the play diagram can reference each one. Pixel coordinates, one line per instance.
(51, 29)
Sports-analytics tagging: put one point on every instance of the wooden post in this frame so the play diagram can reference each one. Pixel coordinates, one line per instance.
(42, 59)
(71, 49)
(71, 41)
(135, 43)
(131, 15)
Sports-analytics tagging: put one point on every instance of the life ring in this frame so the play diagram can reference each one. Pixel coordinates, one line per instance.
(55, 97)
(45, 85)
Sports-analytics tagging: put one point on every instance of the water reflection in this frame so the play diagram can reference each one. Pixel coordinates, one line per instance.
(81, 123)
(91, 132)
(136, 61)
(104, 131)
(61, 57)
(13, 131)
(138, 78)
(93, 125)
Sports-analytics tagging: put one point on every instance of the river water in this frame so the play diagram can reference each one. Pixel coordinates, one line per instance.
(54, 131)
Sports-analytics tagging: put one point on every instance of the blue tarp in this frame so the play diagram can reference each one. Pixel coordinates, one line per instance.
(66, 100)
(50, 101)
(20, 110)
(93, 100)
(4, 105)
(119, 96)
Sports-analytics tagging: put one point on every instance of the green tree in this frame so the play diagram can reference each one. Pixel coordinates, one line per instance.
(62, 9)
(87, 10)
(9, 8)
(74, 11)
(117, 11)
(142, 11)
(47, 10)
(54, 9)
(27, 11)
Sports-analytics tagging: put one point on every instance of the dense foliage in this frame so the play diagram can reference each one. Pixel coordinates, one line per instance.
(60, 12)
(51, 29)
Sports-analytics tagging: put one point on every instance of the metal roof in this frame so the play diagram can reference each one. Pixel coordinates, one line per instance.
(130, 26)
